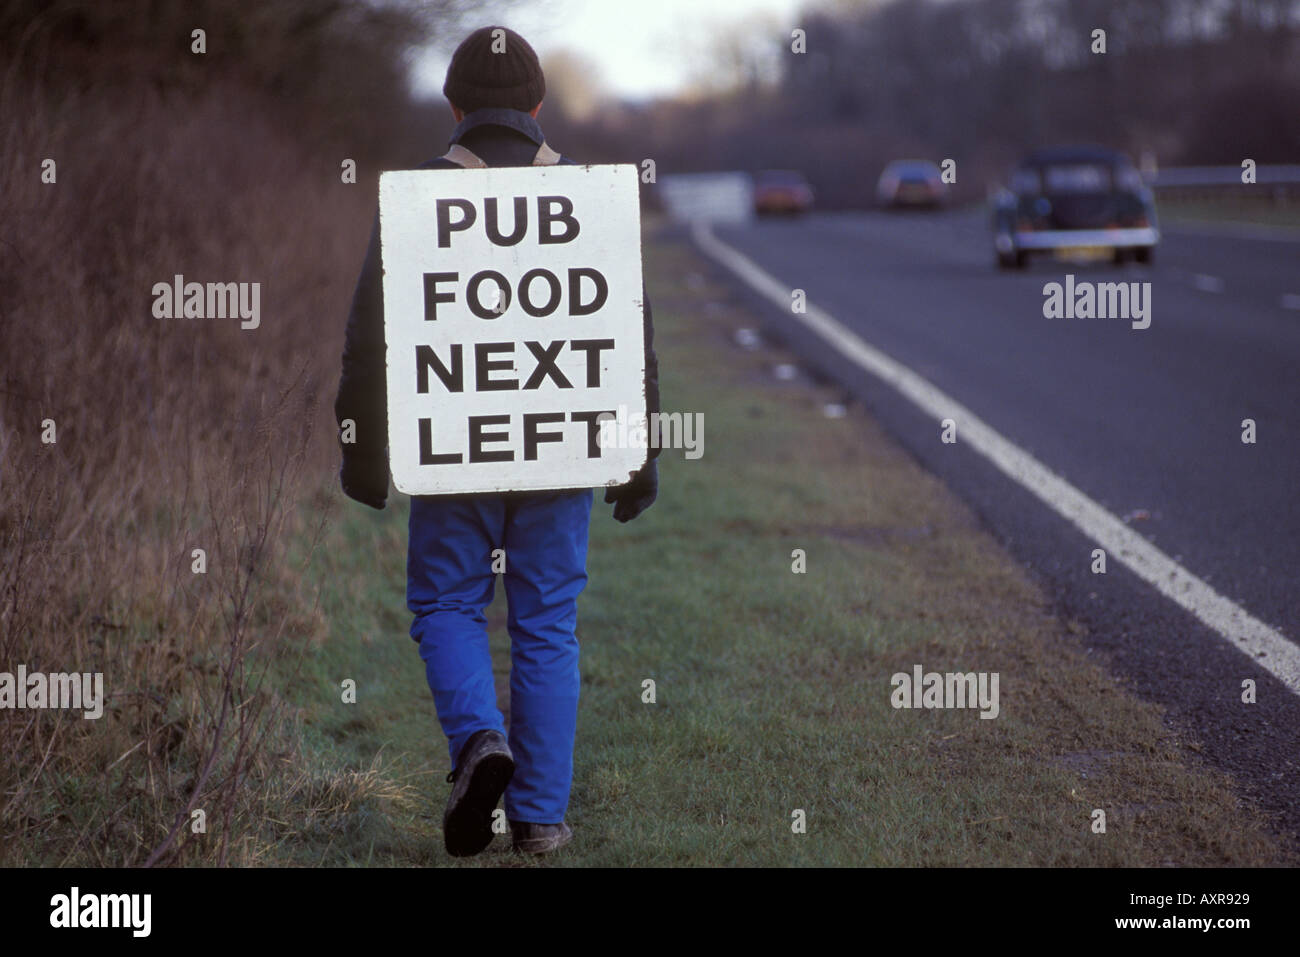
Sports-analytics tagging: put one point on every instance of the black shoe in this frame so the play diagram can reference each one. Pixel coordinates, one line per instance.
(532, 838)
(482, 773)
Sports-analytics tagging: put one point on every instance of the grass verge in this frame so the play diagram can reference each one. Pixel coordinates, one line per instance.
(773, 688)
(1230, 211)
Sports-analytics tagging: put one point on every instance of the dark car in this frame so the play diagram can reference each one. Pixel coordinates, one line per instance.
(911, 183)
(781, 191)
(1079, 200)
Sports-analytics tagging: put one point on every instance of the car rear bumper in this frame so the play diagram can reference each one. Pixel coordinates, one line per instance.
(911, 199)
(1063, 238)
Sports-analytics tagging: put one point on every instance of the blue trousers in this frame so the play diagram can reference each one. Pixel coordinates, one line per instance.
(450, 582)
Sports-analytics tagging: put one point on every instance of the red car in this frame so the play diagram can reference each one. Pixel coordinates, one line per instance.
(781, 191)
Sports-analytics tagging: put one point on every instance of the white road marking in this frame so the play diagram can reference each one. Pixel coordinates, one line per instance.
(1207, 283)
(1262, 643)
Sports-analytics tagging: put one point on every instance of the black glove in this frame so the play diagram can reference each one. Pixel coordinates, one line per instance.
(637, 495)
(365, 481)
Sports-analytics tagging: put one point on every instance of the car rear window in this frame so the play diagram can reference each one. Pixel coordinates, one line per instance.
(1026, 181)
(1076, 178)
(913, 172)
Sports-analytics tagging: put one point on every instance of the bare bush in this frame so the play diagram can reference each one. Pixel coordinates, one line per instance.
(171, 435)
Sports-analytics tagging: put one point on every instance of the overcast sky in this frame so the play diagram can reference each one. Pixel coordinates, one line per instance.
(642, 48)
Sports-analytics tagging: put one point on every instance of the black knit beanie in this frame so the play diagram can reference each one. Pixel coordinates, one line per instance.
(479, 77)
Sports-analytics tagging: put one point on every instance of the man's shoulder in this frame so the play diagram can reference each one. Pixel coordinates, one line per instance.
(442, 162)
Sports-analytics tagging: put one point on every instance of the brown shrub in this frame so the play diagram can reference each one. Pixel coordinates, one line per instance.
(171, 435)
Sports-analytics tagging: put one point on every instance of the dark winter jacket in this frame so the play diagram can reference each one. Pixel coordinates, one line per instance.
(499, 137)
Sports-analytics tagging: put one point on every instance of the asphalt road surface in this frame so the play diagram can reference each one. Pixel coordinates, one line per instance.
(1148, 423)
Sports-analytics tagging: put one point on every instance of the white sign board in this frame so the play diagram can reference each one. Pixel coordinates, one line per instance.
(712, 197)
(513, 320)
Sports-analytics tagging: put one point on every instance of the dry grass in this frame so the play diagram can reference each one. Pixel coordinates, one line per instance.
(171, 435)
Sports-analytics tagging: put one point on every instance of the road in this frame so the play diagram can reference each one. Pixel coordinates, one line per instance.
(1146, 422)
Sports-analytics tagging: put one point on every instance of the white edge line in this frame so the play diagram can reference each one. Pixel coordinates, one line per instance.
(1264, 645)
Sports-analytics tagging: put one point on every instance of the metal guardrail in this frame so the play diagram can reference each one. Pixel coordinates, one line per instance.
(1194, 177)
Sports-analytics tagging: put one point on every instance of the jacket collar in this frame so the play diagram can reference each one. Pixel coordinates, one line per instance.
(515, 120)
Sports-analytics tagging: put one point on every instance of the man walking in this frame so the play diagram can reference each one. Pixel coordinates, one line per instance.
(495, 86)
